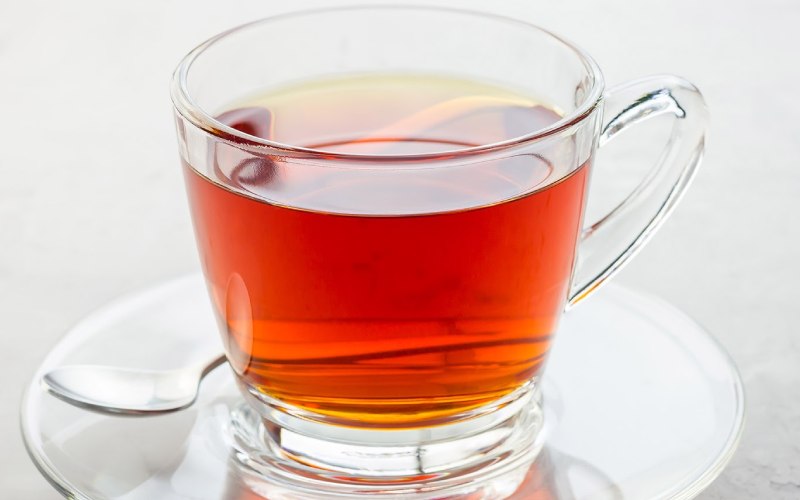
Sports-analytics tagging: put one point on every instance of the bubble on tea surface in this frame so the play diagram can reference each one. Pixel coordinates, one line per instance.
(239, 166)
(252, 120)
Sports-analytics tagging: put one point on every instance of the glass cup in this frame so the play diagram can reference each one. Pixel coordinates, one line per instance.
(389, 339)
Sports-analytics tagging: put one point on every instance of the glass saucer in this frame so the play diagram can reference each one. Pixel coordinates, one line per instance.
(640, 403)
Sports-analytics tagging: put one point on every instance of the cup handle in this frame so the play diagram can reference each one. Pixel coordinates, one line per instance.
(610, 242)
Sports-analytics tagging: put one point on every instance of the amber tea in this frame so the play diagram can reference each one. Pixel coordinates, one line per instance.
(387, 302)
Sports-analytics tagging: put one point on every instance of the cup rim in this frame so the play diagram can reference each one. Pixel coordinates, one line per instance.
(187, 108)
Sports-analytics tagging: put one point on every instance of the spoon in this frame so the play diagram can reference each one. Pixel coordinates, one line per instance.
(128, 391)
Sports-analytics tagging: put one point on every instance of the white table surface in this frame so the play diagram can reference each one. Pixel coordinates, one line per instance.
(92, 203)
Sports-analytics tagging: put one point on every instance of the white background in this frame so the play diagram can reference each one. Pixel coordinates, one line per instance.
(92, 203)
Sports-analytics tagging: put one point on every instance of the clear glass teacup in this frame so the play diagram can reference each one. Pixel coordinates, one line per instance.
(388, 204)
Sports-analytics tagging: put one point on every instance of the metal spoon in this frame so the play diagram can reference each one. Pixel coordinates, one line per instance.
(128, 391)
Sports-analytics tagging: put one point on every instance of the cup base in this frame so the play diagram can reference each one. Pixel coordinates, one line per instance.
(285, 455)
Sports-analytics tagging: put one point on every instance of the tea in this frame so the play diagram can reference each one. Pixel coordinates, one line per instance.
(387, 297)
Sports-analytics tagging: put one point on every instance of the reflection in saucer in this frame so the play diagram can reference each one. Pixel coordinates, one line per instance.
(551, 477)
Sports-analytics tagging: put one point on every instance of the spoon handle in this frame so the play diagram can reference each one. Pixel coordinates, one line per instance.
(211, 364)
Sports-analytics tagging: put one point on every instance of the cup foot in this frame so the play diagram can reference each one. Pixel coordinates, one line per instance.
(283, 455)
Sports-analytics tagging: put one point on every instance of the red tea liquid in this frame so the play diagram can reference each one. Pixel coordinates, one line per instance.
(369, 297)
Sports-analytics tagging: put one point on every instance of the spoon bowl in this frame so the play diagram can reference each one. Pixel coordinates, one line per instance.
(128, 391)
